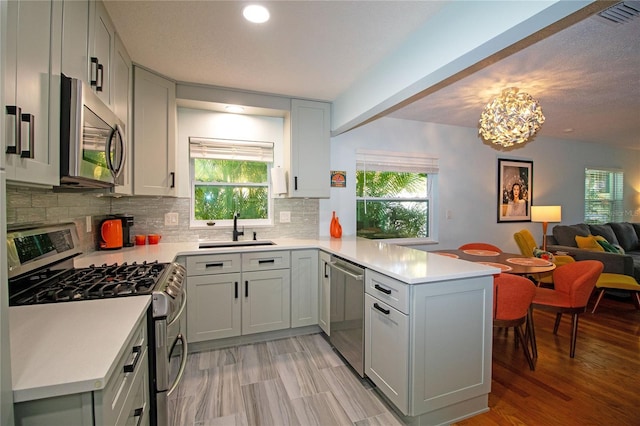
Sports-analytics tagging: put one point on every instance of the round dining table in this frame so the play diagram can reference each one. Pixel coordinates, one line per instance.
(510, 263)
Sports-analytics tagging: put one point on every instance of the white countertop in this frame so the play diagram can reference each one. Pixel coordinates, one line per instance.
(403, 263)
(67, 348)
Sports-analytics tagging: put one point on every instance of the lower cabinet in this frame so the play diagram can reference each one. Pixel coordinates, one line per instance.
(428, 346)
(386, 328)
(304, 288)
(324, 290)
(123, 401)
(230, 295)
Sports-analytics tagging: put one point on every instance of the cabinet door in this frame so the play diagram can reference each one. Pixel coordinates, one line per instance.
(154, 141)
(122, 89)
(32, 88)
(304, 287)
(75, 39)
(385, 329)
(213, 306)
(265, 301)
(103, 44)
(324, 305)
(310, 146)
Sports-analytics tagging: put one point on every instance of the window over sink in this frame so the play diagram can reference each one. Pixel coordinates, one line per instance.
(229, 176)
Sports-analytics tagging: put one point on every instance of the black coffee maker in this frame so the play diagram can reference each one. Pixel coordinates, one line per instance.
(127, 223)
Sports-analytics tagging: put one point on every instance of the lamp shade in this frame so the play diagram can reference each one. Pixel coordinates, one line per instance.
(546, 213)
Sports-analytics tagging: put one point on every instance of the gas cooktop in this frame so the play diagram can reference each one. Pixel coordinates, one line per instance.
(94, 282)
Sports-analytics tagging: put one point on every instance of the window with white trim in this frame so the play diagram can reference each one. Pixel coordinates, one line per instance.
(228, 177)
(394, 194)
(603, 200)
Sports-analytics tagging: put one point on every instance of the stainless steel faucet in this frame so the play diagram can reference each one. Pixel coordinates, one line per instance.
(236, 233)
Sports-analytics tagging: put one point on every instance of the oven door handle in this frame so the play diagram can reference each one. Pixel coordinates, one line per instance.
(183, 303)
(183, 361)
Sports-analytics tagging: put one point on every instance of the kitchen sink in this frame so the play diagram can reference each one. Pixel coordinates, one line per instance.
(226, 244)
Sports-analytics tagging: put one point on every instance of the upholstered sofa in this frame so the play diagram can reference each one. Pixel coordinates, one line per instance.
(618, 234)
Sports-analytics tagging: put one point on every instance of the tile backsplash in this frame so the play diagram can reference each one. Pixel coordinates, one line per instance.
(34, 205)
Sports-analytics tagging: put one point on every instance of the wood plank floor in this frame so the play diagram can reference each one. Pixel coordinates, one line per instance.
(301, 381)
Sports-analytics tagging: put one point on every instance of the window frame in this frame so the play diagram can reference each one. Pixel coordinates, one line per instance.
(407, 162)
(615, 212)
(228, 223)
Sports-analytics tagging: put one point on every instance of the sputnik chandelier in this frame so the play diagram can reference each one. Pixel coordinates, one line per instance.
(512, 118)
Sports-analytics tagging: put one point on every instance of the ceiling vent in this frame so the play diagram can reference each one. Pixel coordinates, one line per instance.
(622, 12)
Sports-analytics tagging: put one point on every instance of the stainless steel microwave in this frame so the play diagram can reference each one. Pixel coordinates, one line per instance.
(92, 139)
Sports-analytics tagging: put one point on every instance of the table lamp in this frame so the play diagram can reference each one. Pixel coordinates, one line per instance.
(546, 214)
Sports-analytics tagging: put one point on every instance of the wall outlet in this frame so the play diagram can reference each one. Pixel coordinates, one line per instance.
(285, 217)
(171, 219)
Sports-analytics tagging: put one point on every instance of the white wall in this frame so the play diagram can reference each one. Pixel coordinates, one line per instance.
(467, 183)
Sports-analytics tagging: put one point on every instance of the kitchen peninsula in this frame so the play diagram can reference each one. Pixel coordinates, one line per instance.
(445, 362)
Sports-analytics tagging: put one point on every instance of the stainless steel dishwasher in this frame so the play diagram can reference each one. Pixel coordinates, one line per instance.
(347, 311)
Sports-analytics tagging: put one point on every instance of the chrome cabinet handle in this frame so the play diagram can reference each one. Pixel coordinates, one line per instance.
(16, 111)
(31, 119)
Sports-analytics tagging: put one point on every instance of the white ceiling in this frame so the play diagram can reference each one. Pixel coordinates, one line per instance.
(586, 77)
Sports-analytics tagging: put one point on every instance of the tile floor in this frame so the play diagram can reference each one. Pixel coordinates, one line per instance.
(293, 381)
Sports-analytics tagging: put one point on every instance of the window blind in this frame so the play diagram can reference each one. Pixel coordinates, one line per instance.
(603, 196)
(389, 161)
(228, 149)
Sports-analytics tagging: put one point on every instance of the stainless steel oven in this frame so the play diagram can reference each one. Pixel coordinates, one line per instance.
(41, 270)
(347, 311)
(92, 139)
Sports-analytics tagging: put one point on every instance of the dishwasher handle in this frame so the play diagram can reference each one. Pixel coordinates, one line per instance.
(337, 266)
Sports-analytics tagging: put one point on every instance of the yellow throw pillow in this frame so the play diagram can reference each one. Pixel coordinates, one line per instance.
(588, 243)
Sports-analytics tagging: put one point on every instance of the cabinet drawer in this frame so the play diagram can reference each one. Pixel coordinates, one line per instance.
(389, 290)
(261, 261)
(133, 361)
(213, 264)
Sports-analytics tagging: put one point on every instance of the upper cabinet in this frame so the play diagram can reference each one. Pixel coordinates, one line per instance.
(154, 134)
(32, 90)
(101, 53)
(308, 149)
(122, 91)
(89, 47)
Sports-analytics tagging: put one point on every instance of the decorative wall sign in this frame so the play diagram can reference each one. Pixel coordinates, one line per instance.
(515, 190)
(338, 179)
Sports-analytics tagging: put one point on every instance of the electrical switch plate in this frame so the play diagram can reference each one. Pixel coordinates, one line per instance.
(88, 223)
(171, 219)
(285, 217)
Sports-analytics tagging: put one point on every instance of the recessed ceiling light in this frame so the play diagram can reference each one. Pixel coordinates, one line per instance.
(235, 109)
(255, 13)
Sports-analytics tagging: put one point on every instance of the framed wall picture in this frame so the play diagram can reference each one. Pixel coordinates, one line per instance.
(515, 190)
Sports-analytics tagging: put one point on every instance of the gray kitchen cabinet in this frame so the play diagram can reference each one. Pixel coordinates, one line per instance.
(236, 294)
(123, 401)
(308, 150)
(214, 306)
(304, 288)
(324, 292)
(32, 90)
(431, 375)
(122, 90)
(101, 52)
(89, 47)
(154, 134)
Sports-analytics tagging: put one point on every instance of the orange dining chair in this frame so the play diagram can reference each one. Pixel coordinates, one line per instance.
(512, 296)
(479, 246)
(573, 285)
